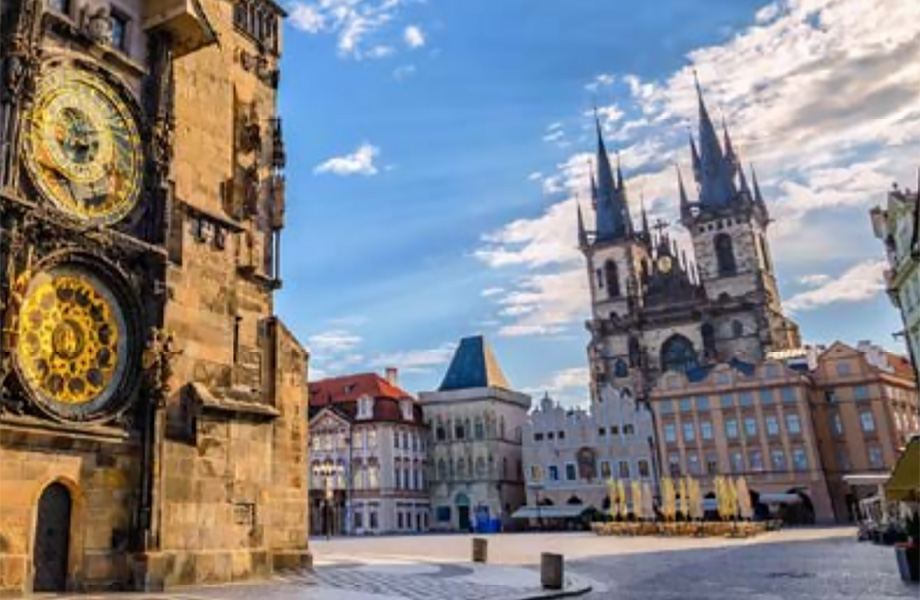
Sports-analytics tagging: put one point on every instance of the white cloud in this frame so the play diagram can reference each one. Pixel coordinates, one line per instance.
(554, 136)
(380, 51)
(567, 386)
(333, 341)
(857, 284)
(353, 22)
(403, 72)
(415, 361)
(813, 280)
(535, 176)
(545, 303)
(414, 37)
(359, 162)
(492, 291)
(602, 80)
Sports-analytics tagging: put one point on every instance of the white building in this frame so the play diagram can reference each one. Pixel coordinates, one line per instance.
(475, 420)
(368, 457)
(570, 454)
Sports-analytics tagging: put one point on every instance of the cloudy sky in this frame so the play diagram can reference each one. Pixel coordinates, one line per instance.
(438, 149)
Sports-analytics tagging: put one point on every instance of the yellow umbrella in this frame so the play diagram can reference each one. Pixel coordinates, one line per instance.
(732, 494)
(638, 507)
(648, 509)
(904, 483)
(621, 495)
(684, 499)
(612, 495)
(744, 499)
(668, 507)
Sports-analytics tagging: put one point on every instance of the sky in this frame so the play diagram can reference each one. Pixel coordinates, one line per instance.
(437, 151)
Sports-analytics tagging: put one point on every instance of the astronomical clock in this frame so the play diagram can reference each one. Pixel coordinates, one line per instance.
(82, 270)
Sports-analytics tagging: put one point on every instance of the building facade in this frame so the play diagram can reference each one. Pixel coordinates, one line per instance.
(745, 419)
(152, 403)
(571, 454)
(898, 226)
(476, 423)
(369, 457)
(658, 308)
(865, 408)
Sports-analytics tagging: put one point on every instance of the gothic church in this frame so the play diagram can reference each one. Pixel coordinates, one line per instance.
(657, 308)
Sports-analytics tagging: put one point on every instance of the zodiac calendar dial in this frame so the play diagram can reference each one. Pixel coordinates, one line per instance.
(72, 340)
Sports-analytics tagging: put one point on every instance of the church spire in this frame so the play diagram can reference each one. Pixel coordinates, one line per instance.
(685, 213)
(613, 220)
(646, 231)
(744, 189)
(582, 232)
(697, 168)
(619, 173)
(716, 186)
(731, 157)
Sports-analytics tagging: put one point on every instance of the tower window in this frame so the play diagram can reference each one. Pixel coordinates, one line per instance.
(737, 328)
(613, 279)
(119, 31)
(725, 254)
(677, 354)
(709, 339)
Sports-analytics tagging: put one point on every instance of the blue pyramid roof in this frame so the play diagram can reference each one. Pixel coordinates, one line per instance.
(473, 366)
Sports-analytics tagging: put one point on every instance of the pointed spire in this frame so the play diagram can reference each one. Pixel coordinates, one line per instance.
(646, 231)
(697, 167)
(730, 156)
(685, 213)
(744, 189)
(613, 220)
(593, 189)
(619, 172)
(757, 197)
(716, 185)
(582, 233)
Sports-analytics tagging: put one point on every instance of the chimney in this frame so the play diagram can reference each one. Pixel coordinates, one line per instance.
(392, 376)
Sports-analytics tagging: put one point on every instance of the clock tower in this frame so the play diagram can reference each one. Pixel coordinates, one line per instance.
(151, 403)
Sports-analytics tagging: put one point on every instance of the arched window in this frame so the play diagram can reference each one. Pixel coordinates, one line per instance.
(612, 278)
(677, 354)
(725, 254)
(737, 328)
(708, 333)
(619, 368)
(635, 354)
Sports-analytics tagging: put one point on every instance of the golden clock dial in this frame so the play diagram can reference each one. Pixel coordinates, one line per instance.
(71, 342)
(664, 264)
(83, 150)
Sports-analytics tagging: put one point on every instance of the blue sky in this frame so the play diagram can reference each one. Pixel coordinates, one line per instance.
(437, 149)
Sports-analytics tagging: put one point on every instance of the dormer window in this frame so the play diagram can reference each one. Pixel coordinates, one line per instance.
(365, 407)
(406, 408)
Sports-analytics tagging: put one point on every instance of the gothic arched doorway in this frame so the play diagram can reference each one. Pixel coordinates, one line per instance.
(52, 539)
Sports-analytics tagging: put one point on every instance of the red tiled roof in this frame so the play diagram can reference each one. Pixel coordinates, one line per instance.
(342, 393)
(901, 365)
(349, 388)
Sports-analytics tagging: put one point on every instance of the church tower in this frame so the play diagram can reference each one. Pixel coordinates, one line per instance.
(728, 227)
(617, 257)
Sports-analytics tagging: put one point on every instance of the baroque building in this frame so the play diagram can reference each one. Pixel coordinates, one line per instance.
(658, 308)
(898, 226)
(369, 457)
(151, 403)
(570, 455)
(476, 422)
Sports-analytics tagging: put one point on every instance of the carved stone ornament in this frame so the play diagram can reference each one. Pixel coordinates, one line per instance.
(98, 25)
(158, 360)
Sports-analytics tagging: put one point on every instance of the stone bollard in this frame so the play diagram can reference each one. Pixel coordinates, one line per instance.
(551, 571)
(480, 550)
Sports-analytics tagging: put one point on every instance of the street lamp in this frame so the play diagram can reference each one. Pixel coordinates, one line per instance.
(328, 471)
(537, 488)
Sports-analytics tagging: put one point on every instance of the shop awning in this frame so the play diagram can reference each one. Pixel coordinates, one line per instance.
(767, 498)
(569, 511)
(904, 483)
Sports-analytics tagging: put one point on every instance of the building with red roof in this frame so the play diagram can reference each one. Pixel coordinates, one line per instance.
(368, 456)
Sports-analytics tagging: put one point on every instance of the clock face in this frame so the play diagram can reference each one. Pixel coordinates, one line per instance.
(83, 150)
(72, 341)
(664, 264)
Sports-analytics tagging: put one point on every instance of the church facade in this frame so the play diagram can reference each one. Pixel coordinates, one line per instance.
(657, 307)
(152, 405)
